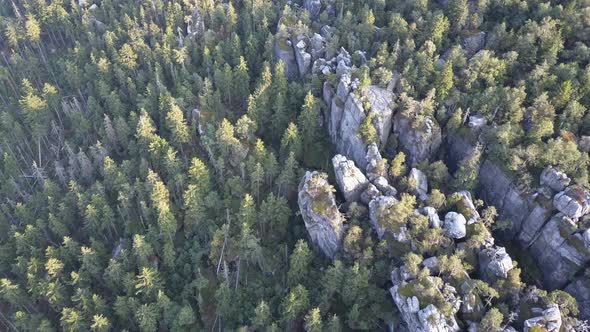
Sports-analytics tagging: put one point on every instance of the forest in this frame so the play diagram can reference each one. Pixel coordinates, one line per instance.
(294, 165)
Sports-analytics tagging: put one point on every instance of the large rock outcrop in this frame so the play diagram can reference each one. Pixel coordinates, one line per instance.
(283, 51)
(580, 290)
(421, 317)
(377, 208)
(548, 320)
(494, 263)
(318, 208)
(560, 251)
(351, 181)
(419, 139)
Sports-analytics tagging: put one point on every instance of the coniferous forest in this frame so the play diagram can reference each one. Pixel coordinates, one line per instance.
(294, 165)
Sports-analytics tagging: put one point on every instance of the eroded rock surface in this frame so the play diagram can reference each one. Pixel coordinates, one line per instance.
(351, 181)
(318, 208)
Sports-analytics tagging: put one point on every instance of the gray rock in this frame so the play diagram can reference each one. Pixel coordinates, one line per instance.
(318, 46)
(318, 208)
(369, 193)
(550, 320)
(433, 218)
(350, 142)
(418, 141)
(467, 208)
(432, 264)
(554, 179)
(580, 290)
(313, 7)
(283, 51)
(455, 225)
(474, 43)
(532, 225)
(377, 208)
(375, 162)
(196, 26)
(459, 148)
(302, 57)
(419, 182)
(472, 307)
(574, 202)
(383, 185)
(351, 181)
(428, 319)
(584, 144)
(494, 263)
(327, 31)
(476, 121)
(381, 101)
(560, 251)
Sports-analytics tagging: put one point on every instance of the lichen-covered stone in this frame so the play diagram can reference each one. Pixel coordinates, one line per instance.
(433, 218)
(550, 320)
(419, 183)
(377, 207)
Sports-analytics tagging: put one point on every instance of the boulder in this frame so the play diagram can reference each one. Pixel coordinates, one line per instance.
(381, 101)
(369, 193)
(323, 221)
(351, 181)
(327, 31)
(283, 51)
(455, 225)
(549, 320)
(383, 185)
(313, 7)
(472, 307)
(419, 141)
(432, 264)
(374, 161)
(474, 43)
(419, 183)
(541, 213)
(554, 179)
(560, 251)
(318, 46)
(302, 57)
(377, 208)
(433, 218)
(459, 149)
(574, 202)
(494, 263)
(467, 208)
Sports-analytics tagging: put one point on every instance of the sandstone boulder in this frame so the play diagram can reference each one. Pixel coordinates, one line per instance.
(467, 208)
(383, 185)
(574, 202)
(369, 193)
(455, 225)
(494, 263)
(474, 43)
(554, 179)
(381, 101)
(433, 218)
(378, 207)
(318, 209)
(549, 320)
(283, 51)
(351, 181)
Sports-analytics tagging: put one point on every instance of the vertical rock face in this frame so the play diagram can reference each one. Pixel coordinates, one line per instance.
(283, 51)
(580, 289)
(419, 141)
(467, 208)
(320, 213)
(302, 58)
(381, 101)
(351, 181)
(560, 251)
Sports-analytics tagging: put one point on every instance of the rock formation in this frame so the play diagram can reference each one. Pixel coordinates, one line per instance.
(419, 141)
(320, 213)
(351, 181)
